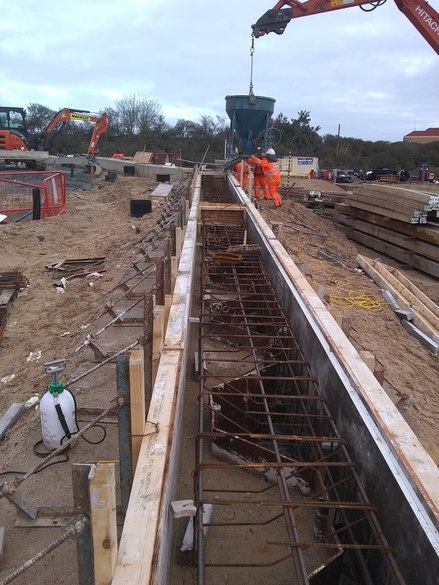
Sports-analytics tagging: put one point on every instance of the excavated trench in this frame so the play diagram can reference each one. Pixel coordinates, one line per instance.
(277, 494)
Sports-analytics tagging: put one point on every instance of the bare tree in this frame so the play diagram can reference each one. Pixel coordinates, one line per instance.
(37, 117)
(139, 115)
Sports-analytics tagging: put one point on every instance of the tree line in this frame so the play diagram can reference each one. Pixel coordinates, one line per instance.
(137, 123)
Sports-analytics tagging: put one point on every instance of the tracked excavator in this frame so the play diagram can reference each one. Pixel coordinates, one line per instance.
(60, 119)
(17, 147)
(419, 12)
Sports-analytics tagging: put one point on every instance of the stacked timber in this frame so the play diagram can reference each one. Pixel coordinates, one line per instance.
(322, 202)
(401, 203)
(397, 221)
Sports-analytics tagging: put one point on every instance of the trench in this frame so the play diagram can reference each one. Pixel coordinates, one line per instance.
(277, 494)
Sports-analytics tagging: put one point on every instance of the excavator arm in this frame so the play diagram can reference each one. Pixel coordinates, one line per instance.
(60, 119)
(420, 13)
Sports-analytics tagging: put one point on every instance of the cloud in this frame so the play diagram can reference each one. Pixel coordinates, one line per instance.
(370, 72)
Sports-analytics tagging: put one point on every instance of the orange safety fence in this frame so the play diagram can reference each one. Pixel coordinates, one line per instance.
(25, 193)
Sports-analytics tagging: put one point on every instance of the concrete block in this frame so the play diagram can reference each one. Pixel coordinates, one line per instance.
(426, 341)
(390, 299)
(405, 314)
(183, 508)
(11, 416)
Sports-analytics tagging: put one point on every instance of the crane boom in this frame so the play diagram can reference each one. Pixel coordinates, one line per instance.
(419, 12)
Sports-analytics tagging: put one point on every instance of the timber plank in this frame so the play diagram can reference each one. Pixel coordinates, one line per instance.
(103, 521)
(423, 318)
(408, 208)
(382, 211)
(393, 192)
(137, 402)
(427, 233)
(422, 263)
(407, 242)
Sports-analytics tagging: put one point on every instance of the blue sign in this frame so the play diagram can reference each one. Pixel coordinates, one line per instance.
(304, 161)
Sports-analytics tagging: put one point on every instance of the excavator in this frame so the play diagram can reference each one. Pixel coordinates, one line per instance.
(60, 119)
(419, 12)
(16, 145)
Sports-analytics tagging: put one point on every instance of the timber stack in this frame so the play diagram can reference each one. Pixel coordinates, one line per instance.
(321, 202)
(397, 221)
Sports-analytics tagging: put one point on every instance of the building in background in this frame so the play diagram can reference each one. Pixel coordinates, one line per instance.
(423, 136)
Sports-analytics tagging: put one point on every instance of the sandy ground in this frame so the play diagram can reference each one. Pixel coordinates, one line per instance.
(410, 370)
(44, 325)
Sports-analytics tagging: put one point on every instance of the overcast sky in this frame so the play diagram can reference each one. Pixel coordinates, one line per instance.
(374, 74)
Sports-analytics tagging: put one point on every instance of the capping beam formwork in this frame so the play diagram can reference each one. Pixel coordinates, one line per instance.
(399, 477)
(303, 504)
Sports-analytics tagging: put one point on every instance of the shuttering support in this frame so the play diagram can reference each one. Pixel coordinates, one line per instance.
(299, 450)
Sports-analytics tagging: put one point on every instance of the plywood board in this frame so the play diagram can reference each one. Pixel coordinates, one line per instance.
(143, 157)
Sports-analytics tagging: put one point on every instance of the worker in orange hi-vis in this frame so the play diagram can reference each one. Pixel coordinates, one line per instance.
(260, 180)
(237, 173)
(271, 169)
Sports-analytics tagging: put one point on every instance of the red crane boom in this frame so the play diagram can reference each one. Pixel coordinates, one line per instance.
(419, 12)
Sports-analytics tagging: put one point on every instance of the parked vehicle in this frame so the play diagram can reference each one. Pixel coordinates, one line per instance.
(343, 177)
(374, 174)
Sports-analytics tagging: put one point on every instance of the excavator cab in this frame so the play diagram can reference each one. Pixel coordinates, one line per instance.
(13, 133)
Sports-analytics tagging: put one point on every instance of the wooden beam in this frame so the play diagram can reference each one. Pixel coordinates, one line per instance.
(424, 319)
(404, 241)
(426, 233)
(103, 521)
(403, 206)
(137, 402)
(427, 265)
(404, 217)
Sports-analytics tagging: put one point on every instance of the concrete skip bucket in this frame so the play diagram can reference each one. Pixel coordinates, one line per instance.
(249, 118)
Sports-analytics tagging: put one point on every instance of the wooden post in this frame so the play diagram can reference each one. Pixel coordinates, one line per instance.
(179, 241)
(81, 505)
(167, 267)
(160, 282)
(172, 236)
(369, 359)
(103, 521)
(137, 402)
(345, 323)
(251, 191)
(157, 338)
(125, 452)
(148, 319)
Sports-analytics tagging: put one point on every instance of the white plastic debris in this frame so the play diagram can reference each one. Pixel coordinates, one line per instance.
(34, 356)
(7, 379)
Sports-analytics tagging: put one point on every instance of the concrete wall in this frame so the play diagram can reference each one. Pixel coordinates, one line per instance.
(175, 174)
(398, 475)
(144, 170)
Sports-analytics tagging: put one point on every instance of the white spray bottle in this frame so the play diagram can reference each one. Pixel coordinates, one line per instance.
(57, 409)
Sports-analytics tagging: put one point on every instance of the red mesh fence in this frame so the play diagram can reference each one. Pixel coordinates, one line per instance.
(32, 195)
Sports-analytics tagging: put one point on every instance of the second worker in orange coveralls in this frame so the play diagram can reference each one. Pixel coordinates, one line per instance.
(260, 180)
(271, 169)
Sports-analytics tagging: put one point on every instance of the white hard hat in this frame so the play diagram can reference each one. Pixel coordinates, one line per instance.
(270, 151)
